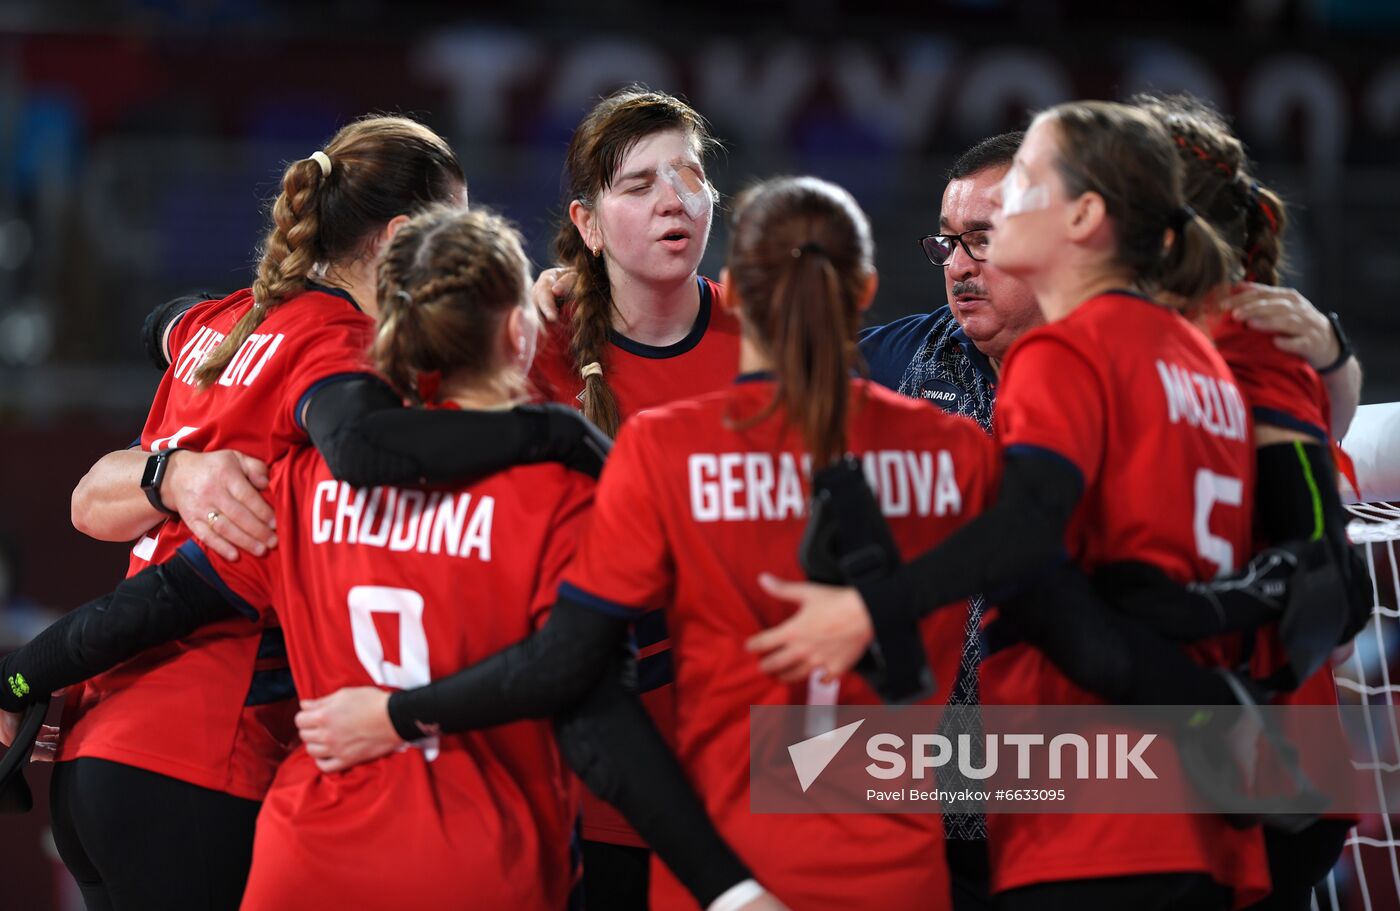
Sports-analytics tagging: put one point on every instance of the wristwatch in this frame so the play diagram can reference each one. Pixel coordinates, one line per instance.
(1345, 351)
(152, 477)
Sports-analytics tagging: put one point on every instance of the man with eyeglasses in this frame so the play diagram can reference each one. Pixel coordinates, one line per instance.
(952, 356)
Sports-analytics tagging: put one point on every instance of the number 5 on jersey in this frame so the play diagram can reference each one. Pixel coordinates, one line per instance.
(412, 667)
(1212, 488)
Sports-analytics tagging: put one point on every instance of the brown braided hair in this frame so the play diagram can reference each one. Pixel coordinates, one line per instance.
(1220, 182)
(448, 279)
(381, 167)
(800, 261)
(597, 149)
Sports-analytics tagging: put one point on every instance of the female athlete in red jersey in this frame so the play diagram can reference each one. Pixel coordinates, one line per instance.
(394, 586)
(700, 497)
(368, 583)
(255, 372)
(240, 369)
(1293, 420)
(1297, 504)
(1096, 461)
(643, 329)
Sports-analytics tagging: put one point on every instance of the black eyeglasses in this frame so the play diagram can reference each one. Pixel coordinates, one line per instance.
(939, 247)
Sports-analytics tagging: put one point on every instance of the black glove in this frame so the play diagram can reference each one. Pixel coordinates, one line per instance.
(154, 326)
(1240, 602)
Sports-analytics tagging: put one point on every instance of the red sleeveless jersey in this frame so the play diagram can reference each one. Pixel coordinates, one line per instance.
(1141, 405)
(690, 510)
(643, 377)
(214, 709)
(397, 587)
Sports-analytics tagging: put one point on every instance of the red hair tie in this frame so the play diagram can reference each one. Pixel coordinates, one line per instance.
(1203, 155)
(1269, 215)
(428, 383)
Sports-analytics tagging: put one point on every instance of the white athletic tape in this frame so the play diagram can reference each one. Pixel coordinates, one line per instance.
(737, 896)
(692, 190)
(1019, 197)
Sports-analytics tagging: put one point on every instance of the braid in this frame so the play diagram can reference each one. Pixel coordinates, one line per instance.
(332, 205)
(445, 283)
(288, 255)
(1220, 184)
(1265, 221)
(592, 327)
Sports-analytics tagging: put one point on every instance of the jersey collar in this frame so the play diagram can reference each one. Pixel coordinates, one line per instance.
(692, 338)
(334, 292)
(755, 376)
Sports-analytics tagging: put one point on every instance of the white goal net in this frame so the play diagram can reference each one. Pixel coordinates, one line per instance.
(1368, 875)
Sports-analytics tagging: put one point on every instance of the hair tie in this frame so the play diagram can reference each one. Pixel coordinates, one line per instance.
(591, 369)
(428, 383)
(324, 160)
(1268, 211)
(810, 246)
(404, 296)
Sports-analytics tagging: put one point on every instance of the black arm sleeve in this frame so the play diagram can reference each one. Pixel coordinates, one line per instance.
(542, 676)
(1009, 546)
(366, 436)
(158, 320)
(1298, 508)
(612, 745)
(157, 605)
(1106, 652)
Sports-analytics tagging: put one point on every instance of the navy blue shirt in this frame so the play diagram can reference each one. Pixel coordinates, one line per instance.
(928, 356)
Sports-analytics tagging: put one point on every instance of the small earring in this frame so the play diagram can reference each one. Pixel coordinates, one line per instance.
(598, 251)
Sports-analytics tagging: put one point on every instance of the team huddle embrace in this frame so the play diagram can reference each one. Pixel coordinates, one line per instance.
(454, 588)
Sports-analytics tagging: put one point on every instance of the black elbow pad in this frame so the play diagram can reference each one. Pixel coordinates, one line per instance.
(159, 319)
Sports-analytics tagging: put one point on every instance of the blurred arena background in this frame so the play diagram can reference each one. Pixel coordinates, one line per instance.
(140, 139)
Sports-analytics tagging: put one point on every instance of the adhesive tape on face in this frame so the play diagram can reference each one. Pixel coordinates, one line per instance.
(1019, 197)
(690, 187)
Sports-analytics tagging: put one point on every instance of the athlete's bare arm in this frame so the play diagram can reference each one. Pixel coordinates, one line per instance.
(108, 504)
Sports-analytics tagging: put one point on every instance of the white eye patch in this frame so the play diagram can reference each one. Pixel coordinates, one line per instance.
(1018, 197)
(692, 190)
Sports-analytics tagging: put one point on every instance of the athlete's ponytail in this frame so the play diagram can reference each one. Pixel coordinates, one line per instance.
(1125, 155)
(331, 206)
(800, 261)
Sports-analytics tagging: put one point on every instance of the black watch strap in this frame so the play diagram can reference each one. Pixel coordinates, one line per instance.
(154, 476)
(1344, 349)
